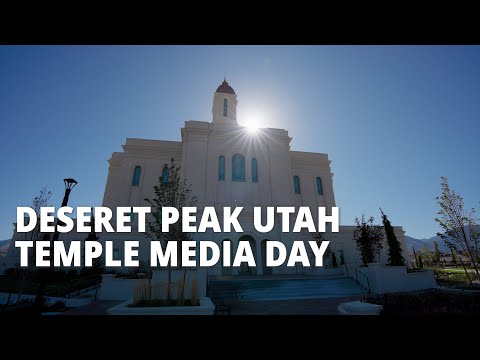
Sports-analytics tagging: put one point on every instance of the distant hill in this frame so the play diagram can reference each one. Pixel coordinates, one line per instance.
(419, 244)
(4, 244)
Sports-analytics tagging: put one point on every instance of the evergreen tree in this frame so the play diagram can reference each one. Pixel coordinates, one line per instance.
(416, 258)
(420, 262)
(395, 257)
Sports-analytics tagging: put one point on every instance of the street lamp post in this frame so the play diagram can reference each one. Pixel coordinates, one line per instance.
(69, 185)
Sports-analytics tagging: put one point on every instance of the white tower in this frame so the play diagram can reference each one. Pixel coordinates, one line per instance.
(224, 109)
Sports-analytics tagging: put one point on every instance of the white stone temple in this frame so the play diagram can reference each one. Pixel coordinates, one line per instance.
(228, 165)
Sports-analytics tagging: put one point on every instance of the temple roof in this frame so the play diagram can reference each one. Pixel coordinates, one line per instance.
(224, 88)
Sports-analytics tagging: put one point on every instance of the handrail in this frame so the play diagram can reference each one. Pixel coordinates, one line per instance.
(91, 287)
(365, 276)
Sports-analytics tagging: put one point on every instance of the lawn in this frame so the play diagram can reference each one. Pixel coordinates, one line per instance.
(456, 270)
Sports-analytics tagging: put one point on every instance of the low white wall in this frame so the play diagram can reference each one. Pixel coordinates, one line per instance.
(116, 289)
(206, 308)
(113, 288)
(389, 279)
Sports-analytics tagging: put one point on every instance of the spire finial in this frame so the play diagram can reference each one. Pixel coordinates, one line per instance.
(225, 78)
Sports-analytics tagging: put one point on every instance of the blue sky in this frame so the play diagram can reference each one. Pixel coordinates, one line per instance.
(393, 119)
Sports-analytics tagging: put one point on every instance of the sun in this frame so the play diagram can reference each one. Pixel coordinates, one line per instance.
(253, 121)
(252, 126)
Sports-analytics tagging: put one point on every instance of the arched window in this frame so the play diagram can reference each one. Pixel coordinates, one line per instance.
(136, 176)
(225, 103)
(319, 186)
(254, 170)
(165, 174)
(296, 184)
(238, 168)
(221, 168)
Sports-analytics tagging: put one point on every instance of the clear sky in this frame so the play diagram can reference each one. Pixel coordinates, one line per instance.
(392, 119)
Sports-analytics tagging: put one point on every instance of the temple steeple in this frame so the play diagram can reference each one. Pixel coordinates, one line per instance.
(224, 108)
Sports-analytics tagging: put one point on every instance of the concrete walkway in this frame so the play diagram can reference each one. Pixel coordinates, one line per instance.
(73, 302)
(95, 308)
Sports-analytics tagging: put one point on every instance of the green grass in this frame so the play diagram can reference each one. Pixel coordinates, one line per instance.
(456, 270)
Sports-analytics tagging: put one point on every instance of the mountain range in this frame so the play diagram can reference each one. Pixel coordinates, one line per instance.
(4, 244)
(419, 244)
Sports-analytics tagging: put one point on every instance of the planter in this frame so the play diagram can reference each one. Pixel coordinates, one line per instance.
(206, 307)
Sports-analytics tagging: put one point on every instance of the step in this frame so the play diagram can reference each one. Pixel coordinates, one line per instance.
(284, 289)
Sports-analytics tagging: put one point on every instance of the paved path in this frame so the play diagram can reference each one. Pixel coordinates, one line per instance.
(95, 308)
(73, 302)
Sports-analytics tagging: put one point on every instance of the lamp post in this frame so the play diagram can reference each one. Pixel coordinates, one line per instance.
(69, 185)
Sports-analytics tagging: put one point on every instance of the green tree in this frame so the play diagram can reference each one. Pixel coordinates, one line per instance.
(454, 258)
(427, 256)
(416, 258)
(96, 268)
(35, 235)
(395, 257)
(420, 262)
(369, 239)
(171, 192)
(436, 253)
(460, 228)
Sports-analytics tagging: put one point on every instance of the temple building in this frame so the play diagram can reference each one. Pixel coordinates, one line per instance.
(229, 165)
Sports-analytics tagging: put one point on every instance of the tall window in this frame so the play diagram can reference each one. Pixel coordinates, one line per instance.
(319, 186)
(165, 174)
(296, 184)
(136, 176)
(221, 168)
(254, 170)
(225, 102)
(238, 168)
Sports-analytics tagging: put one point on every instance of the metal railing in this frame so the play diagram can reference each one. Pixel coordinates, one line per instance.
(346, 269)
(95, 286)
(365, 276)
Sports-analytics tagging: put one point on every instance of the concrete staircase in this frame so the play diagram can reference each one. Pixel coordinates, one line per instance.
(283, 289)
